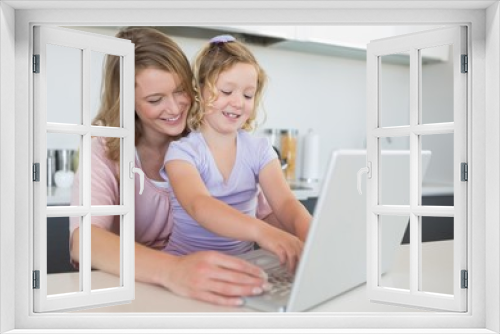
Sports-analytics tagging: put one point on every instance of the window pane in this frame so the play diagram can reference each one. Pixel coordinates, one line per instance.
(395, 90)
(64, 84)
(63, 276)
(97, 76)
(394, 256)
(394, 171)
(437, 178)
(105, 188)
(62, 163)
(437, 71)
(99, 281)
(437, 254)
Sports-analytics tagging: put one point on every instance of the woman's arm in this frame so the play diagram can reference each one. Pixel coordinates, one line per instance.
(290, 213)
(208, 276)
(265, 213)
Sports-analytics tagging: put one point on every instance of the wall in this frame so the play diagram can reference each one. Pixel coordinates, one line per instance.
(328, 94)
(492, 160)
(7, 167)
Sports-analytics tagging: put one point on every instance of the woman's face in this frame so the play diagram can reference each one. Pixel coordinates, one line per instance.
(160, 102)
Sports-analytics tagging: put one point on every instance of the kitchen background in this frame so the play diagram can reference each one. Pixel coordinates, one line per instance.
(317, 80)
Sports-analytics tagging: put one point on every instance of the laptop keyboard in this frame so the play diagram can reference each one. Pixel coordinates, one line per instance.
(281, 281)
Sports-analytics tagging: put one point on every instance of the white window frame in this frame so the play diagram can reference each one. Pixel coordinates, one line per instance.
(483, 122)
(414, 130)
(85, 297)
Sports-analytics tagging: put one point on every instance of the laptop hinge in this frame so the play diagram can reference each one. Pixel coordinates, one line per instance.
(464, 279)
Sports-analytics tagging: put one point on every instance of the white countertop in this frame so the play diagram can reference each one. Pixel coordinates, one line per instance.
(151, 298)
(437, 189)
(302, 190)
(58, 196)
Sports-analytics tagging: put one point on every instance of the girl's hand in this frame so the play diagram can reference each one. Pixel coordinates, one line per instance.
(215, 278)
(286, 246)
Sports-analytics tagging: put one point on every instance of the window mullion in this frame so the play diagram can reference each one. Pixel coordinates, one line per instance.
(85, 227)
(415, 262)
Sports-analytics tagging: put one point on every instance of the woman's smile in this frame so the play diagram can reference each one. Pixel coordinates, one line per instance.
(172, 120)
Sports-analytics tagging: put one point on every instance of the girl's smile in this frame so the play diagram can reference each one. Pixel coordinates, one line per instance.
(235, 99)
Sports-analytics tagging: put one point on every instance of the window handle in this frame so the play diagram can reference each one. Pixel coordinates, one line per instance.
(368, 171)
(132, 170)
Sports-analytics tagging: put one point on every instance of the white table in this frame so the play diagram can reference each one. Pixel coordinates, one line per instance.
(150, 298)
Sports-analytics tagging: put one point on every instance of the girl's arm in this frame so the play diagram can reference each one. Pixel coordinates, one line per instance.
(224, 220)
(208, 211)
(288, 210)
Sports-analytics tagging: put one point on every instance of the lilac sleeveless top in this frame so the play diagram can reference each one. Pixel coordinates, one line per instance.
(239, 190)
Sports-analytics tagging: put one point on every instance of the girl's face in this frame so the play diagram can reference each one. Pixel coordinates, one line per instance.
(160, 102)
(235, 101)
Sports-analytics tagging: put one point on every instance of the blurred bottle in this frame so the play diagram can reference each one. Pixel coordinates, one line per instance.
(289, 151)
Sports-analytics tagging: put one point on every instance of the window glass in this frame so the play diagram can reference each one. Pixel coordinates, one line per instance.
(63, 275)
(394, 264)
(64, 84)
(98, 280)
(394, 90)
(437, 257)
(391, 176)
(63, 157)
(437, 66)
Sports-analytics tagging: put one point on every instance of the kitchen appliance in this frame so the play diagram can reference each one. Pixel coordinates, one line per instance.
(310, 157)
(64, 175)
(51, 167)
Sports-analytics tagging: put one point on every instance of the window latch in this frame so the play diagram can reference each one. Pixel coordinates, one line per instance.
(368, 171)
(132, 170)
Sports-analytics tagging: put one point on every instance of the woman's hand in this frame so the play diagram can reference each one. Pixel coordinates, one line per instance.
(215, 278)
(286, 246)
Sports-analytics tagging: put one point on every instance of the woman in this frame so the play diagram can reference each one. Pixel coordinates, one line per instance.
(163, 96)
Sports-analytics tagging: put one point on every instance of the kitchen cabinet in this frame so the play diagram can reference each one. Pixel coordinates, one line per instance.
(286, 32)
(329, 40)
(434, 228)
(58, 259)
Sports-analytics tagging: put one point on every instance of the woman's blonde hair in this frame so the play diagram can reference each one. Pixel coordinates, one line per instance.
(153, 49)
(213, 59)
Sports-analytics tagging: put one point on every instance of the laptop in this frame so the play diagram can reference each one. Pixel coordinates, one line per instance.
(334, 256)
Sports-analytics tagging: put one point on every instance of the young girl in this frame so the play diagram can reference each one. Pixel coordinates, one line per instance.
(215, 171)
(163, 96)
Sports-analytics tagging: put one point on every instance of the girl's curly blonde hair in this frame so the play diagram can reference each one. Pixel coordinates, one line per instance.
(213, 59)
